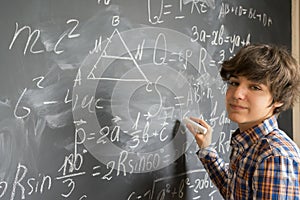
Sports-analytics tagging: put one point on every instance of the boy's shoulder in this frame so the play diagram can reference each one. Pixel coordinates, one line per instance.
(278, 143)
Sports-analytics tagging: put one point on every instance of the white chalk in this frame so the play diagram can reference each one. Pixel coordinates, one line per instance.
(197, 127)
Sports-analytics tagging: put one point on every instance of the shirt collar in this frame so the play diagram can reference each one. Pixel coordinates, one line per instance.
(250, 136)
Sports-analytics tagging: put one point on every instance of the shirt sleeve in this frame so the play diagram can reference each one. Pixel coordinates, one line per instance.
(216, 168)
(277, 177)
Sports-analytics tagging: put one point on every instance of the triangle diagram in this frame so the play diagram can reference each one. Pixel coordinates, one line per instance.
(115, 49)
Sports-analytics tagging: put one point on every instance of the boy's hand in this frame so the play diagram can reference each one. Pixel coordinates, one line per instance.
(203, 140)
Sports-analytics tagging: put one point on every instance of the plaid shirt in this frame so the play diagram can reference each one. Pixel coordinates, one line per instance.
(264, 164)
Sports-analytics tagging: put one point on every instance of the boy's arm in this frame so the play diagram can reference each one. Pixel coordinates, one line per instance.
(215, 167)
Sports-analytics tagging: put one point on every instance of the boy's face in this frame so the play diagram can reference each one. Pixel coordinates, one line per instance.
(248, 103)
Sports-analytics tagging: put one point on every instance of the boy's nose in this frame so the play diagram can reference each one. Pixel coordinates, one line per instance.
(239, 92)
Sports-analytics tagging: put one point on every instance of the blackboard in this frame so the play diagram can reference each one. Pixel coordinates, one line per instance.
(93, 93)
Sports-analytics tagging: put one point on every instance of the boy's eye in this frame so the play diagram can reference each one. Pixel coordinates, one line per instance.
(255, 87)
(232, 83)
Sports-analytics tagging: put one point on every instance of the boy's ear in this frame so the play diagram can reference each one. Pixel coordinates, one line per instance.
(278, 104)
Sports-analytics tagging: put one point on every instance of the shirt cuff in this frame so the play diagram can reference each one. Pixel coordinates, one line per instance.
(207, 151)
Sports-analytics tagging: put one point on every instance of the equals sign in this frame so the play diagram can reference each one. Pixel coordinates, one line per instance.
(227, 39)
(92, 136)
(167, 6)
(97, 173)
(212, 63)
(166, 158)
(177, 98)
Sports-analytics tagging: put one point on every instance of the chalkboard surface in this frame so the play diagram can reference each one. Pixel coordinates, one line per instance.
(93, 93)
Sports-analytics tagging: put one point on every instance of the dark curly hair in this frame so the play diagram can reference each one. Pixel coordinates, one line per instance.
(268, 64)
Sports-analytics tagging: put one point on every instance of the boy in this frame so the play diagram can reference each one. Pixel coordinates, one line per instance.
(263, 80)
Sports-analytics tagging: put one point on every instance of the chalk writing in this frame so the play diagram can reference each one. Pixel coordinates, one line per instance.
(251, 13)
(37, 33)
(26, 186)
(97, 92)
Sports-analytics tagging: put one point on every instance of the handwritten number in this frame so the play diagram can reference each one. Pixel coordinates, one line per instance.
(71, 35)
(222, 55)
(38, 84)
(71, 185)
(108, 175)
(195, 33)
(25, 108)
(104, 132)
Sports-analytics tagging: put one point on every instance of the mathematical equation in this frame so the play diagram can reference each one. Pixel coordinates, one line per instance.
(126, 97)
(179, 186)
